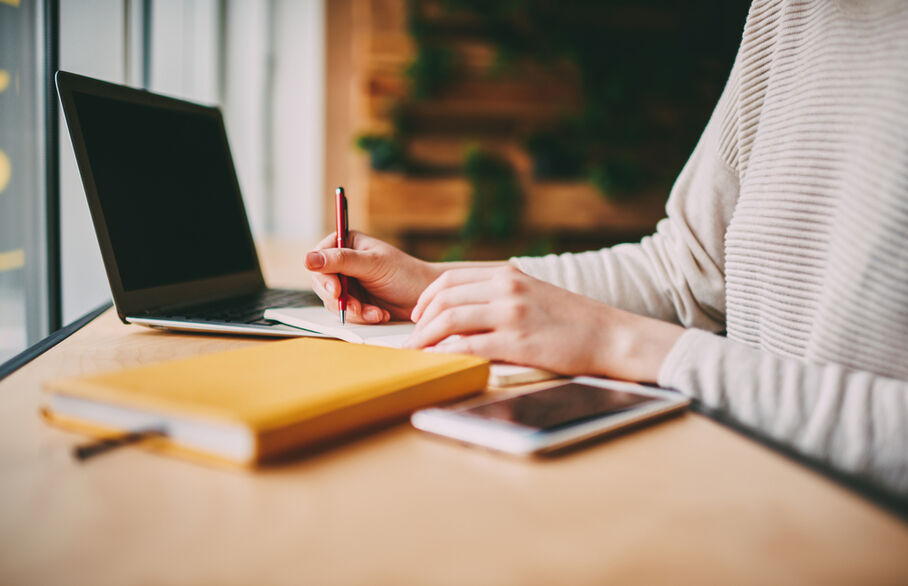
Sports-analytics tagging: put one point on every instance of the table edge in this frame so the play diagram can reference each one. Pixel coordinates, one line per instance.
(23, 358)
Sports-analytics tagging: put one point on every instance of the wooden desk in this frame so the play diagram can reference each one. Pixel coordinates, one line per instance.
(686, 501)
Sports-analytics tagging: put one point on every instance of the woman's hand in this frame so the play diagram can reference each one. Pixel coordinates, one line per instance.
(387, 281)
(504, 314)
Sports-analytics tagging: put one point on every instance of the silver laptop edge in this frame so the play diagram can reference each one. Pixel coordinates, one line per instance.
(277, 330)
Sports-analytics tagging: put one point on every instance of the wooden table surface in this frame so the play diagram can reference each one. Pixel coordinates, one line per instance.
(686, 501)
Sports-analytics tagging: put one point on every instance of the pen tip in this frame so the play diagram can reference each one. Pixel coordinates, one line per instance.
(343, 317)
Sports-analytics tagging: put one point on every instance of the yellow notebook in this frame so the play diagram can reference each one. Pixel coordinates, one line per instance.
(254, 404)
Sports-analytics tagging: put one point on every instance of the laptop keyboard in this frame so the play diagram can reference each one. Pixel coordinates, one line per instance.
(248, 309)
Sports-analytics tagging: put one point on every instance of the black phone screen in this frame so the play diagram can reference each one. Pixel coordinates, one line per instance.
(559, 406)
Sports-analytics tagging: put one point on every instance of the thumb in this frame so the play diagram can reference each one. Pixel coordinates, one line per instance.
(346, 261)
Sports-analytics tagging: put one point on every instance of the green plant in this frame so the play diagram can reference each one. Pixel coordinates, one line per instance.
(618, 176)
(385, 153)
(432, 68)
(648, 73)
(496, 197)
(556, 155)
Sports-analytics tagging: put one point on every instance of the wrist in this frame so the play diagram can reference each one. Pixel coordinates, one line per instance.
(636, 346)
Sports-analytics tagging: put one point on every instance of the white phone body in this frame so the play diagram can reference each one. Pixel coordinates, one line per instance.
(502, 435)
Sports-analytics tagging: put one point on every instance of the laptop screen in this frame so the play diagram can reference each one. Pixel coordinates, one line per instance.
(166, 186)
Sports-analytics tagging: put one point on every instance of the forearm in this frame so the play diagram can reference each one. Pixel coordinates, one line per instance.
(853, 420)
(440, 267)
(678, 274)
(633, 346)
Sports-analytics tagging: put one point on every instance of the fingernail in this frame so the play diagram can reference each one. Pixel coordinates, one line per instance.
(372, 314)
(315, 259)
(330, 287)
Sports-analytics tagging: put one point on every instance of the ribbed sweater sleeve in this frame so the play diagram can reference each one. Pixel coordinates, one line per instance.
(853, 420)
(677, 274)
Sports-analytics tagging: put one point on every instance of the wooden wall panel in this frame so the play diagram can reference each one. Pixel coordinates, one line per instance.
(369, 50)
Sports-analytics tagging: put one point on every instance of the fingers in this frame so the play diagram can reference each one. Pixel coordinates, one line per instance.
(353, 263)
(329, 241)
(374, 314)
(483, 345)
(465, 319)
(362, 313)
(475, 293)
(359, 261)
(354, 311)
(327, 287)
(356, 240)
(360, 241)
(447, 280)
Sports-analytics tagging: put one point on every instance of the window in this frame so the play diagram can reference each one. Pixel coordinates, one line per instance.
(262, 62)
(23, 290)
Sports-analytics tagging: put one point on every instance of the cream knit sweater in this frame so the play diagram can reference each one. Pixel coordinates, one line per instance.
(788, 228)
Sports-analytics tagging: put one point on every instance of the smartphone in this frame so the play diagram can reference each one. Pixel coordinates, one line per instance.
(553, 418)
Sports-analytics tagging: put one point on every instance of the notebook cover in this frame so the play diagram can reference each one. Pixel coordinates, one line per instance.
(290, 393)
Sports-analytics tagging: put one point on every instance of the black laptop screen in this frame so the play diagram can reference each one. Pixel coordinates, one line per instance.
(166, 187)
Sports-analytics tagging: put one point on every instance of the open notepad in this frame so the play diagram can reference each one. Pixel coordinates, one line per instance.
(393, 335)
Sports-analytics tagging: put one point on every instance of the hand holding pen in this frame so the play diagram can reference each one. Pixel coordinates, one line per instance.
(383, 282)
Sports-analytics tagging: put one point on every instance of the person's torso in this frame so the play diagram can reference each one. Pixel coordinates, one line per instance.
(817, 248)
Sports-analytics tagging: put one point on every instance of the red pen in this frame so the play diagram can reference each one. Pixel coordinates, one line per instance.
(340, 208)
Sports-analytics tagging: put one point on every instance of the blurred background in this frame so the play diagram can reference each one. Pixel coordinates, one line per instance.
(460, 128)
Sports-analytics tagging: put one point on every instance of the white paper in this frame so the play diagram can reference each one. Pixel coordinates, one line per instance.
(319, 319)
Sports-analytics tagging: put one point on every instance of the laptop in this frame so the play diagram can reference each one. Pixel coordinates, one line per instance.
(168, 213)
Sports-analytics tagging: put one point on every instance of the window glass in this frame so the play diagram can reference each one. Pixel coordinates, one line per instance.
(263, 62)
(23, 298)
(92, 43)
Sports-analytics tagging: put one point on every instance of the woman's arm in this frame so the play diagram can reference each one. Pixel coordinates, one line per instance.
(855, 421)
(678, 273)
